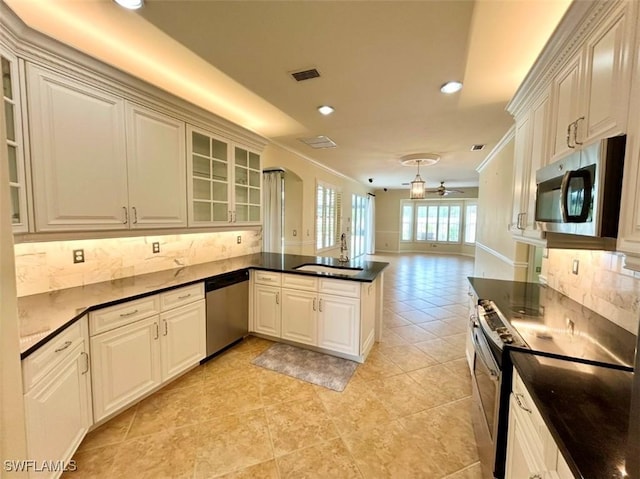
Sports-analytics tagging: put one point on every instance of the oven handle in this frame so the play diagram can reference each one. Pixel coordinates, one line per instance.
(480, 349)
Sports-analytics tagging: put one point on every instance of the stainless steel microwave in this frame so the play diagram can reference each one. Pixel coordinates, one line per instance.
(580, 194)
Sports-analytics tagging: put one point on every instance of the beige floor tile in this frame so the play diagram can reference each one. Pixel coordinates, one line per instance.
(400, 395)
(472, 472)
(276, 388)
(112, 432)
(457, 325)
(408, 357)
(299, 424)
(390, 338)
(264, 470)
(193, 378)
(167, 409)
(441, 350)
(458, 339)
(417, 317)
(445, 434)
(95, 463)
(254, 345)
(439, 381)
(398, 306)
(390, 451)
(377, 366)
(394, 320)
(438, 328)
(232, 443)
(460, 367)
(413, 333)
(170, 453)
(327, 460)
(235, 395)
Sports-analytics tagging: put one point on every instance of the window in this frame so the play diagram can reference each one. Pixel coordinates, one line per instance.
(470, 219)
(328, 210)
(438, 221)
(358, 224)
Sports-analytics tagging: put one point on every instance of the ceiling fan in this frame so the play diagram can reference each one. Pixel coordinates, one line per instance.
(442, 190)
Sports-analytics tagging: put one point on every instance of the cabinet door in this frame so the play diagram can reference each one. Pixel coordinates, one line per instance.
(208, 180)
(247, 180)
(299, 316)
(156, 169)
(521, 169)
(522, 458)
(566, 91)
(607, 77)
(183, 340)
(339, 324)
(58, 411)
(125, 364)
(78, 154)
(267, 310)
(15, 148)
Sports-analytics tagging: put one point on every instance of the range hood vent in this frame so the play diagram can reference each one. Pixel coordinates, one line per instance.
(302, 75)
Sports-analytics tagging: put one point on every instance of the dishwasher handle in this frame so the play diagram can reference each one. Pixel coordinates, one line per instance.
(226, 279)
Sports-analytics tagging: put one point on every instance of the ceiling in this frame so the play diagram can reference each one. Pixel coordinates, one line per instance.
(381, 65)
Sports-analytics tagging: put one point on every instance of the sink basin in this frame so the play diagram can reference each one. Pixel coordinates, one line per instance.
(323, 268)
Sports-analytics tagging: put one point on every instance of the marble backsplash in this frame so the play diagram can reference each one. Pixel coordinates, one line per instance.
(48, 266)
(602, 284)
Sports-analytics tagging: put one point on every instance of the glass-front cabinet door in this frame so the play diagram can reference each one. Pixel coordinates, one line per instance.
(209, 174)
(247, 182)
(14, 141)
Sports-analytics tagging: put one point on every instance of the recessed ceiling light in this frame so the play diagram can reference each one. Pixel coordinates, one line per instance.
(130, 4)
(325, 109)
(451, 87)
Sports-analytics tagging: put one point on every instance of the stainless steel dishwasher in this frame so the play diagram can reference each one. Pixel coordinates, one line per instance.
(227, 309)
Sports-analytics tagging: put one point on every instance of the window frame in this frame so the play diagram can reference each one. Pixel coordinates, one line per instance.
(415, 205)
(467, 204)
(320, 235)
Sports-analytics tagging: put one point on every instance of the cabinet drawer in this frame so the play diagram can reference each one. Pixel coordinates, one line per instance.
(181, 296)
(106, 319)
(41, 362)
(267, 277)
(339, 287)
(298, 281)
(526, 405)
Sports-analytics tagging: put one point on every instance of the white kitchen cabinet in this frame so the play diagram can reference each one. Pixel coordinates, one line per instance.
(78, 154)
(183, 338)
(125, 363)
(267, 307)
(299, 316)
(156, 169)
(591, 93)
(15, 142)
(521, 166)
(339, 324)
(58, 397)
(224, 181)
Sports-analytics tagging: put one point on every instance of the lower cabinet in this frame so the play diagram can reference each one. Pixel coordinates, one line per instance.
(58, 399)
(299, 316)
(133, 359)
(531, 451)
(267, 307)
(339, 324)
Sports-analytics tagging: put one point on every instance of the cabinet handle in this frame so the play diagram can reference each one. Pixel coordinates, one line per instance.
(277, 298)
(535, 476)
(569, 136)
(314, 304)
(185, 296)
(130, 313)
(64, 346)
(575, 131)
(519, 223)
(166, 327)
(320, 305)
(135, 215)
(157, 330)
(126, 215)
(86, 358)
(517, 397)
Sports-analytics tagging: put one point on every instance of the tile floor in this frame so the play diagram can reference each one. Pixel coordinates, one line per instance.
(404, 414)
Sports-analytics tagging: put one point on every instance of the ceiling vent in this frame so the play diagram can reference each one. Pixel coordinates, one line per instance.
(302, 75)
(477, 147)
(318, 142)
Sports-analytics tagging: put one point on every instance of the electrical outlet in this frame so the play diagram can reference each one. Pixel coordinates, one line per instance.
(239, 239)
(574, 268)
(295, 232)
(156, 246)
(78, 256)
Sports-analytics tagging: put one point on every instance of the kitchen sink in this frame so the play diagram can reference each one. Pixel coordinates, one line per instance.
(323, 268)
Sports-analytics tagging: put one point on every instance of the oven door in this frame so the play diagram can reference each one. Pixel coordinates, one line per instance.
(486, 396)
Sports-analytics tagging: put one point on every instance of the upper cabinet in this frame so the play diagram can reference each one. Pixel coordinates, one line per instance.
(591, 92)
(15, 141)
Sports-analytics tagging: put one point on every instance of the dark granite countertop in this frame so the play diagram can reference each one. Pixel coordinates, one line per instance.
(586, 408)
(42, 316)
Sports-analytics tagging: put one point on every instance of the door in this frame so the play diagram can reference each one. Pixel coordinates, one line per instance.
(339, 324)
(299, 316)
(78, 154)
(521, 169)
(156, 166)
(566, 109)
(58, 411)
(267, 310)
(183, 338)
(125, 364)
(247, 179)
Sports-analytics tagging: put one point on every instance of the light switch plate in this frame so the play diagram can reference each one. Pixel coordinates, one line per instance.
(574, 268)
(78, 256)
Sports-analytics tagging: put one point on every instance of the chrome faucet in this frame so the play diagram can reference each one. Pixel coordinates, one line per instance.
(343, 249)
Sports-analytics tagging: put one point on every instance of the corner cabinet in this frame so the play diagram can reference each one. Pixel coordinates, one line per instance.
(224, 181)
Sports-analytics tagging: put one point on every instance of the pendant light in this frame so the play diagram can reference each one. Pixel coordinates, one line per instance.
(417, 191)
